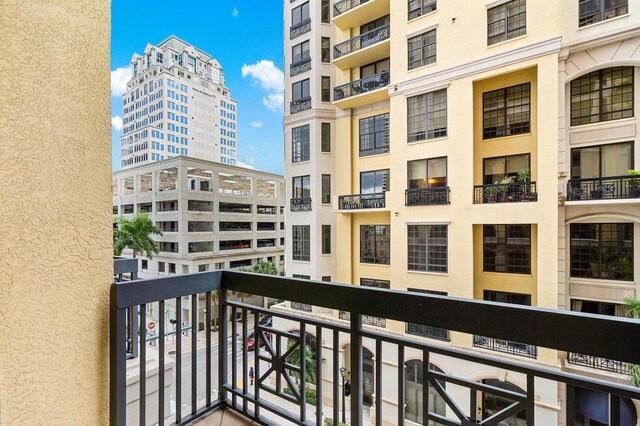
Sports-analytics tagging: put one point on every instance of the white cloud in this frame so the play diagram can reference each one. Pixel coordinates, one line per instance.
(119, 79)
(116, 123)
(245, 165)
(266, 74)
(274, 102)
(251, 160)
(256, 124)
(235, 12)
(252, 148)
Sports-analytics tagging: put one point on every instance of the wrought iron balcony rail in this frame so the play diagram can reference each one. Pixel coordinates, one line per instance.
(505, 346)
(300, 67)
(366, 319)
(599, 363)
(362, 201)
(300, 105)
(361, 41)
(301, 204)
(343, 6)
(300, 28)
(428, 331)
(426, 196)
(217, 374)
(516, 192)
(364, 85)
(605, 188)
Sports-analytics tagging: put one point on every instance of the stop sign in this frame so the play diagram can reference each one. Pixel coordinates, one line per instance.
(151, 325)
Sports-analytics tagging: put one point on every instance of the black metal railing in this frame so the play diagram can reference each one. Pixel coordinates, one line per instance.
(299, 105)
(301, 204)
(125, 270)
(598, 363)
(516, 192)
(361, 41)
(505, 346)
(343, 6)
(362, 201)
(366, 319)
(428, 331)
(364, 85)
(606, 188)
(300, 67)
(217, 374)
(426, 196)
(300, 28)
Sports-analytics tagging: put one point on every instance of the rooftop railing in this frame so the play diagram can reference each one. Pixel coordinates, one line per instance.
(361, 41)
(217, 374)
(604, 188)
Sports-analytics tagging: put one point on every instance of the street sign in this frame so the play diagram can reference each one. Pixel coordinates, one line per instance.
(151, 325)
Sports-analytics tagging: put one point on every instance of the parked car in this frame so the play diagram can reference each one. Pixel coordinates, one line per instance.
(251, 340)
(266, 321)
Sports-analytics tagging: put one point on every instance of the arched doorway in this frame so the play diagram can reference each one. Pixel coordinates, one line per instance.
(492, 404)
(413, 391)
(368, 373)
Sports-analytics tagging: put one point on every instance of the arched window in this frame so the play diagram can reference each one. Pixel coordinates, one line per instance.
(602, 95)
(413, 386)
(492, 404)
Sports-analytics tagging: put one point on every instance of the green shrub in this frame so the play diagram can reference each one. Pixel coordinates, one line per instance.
(310, 395)
(329, 422)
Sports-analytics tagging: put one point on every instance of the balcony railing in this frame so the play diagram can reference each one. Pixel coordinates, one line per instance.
(343, 6)
(426, 196)
(361, 41)
(505, 346)
(300, 67)
(606, 188)
(299, 105)
(216, 375)
(428, 331)
(364, 85)
(362, 201)
(598, 363)
(366, 319)
(301, 204)
(300, 28)
(516, 192)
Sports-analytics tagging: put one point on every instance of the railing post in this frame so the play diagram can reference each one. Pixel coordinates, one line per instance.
(223, 319)
(117, 362)
(356, 369)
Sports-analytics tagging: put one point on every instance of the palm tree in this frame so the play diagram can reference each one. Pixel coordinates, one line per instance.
(310, 362)
(633, 307)
(135, 232)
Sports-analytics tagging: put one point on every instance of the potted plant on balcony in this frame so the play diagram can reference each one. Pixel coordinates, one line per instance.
(524, 176)
(491, 192)
(633, 308)
(634, 184)
(504, 189)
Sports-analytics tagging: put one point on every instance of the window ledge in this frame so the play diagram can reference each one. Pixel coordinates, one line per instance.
(606, 124)
(489, 46)
(422, 16)
(521, 135)
(442, 138)
(304, 262)
(600, 281)
(380, 265)
(301, 162)
(441, 274)
(360, 157)
(421, 67)
(626, 15)
(513, 274)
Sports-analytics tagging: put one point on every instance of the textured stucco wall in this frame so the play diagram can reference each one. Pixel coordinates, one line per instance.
(55, 219)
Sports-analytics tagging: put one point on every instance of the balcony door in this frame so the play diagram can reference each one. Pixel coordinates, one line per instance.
(602, 161)
(374, 68)
(498, 168)
(430, 173)
(374, 182)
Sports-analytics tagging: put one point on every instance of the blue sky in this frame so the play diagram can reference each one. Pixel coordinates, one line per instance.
(240, 33)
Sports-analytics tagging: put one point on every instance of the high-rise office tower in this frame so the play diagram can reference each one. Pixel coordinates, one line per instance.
(177, 103)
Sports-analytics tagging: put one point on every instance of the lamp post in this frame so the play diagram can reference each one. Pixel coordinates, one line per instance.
(343, 373)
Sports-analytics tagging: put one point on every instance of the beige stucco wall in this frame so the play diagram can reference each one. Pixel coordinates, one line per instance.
(55, 221)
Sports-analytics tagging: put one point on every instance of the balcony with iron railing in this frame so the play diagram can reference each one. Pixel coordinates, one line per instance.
(361, 92)
(300, 204)
(362, 201)
(433, 196)
(300, 105)
(300, 28)
(362, 49)
(604, 189)
(516, 192)
(354, 13)
(300, 67)
(179, 385)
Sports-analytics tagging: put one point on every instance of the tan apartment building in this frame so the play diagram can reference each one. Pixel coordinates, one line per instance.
(476, 150)
(213, 216)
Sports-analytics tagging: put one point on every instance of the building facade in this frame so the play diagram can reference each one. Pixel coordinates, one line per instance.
(177, 103)
(213, 216)
(480, 150)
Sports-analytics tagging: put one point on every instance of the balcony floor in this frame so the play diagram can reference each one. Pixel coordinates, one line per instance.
(223, 417)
